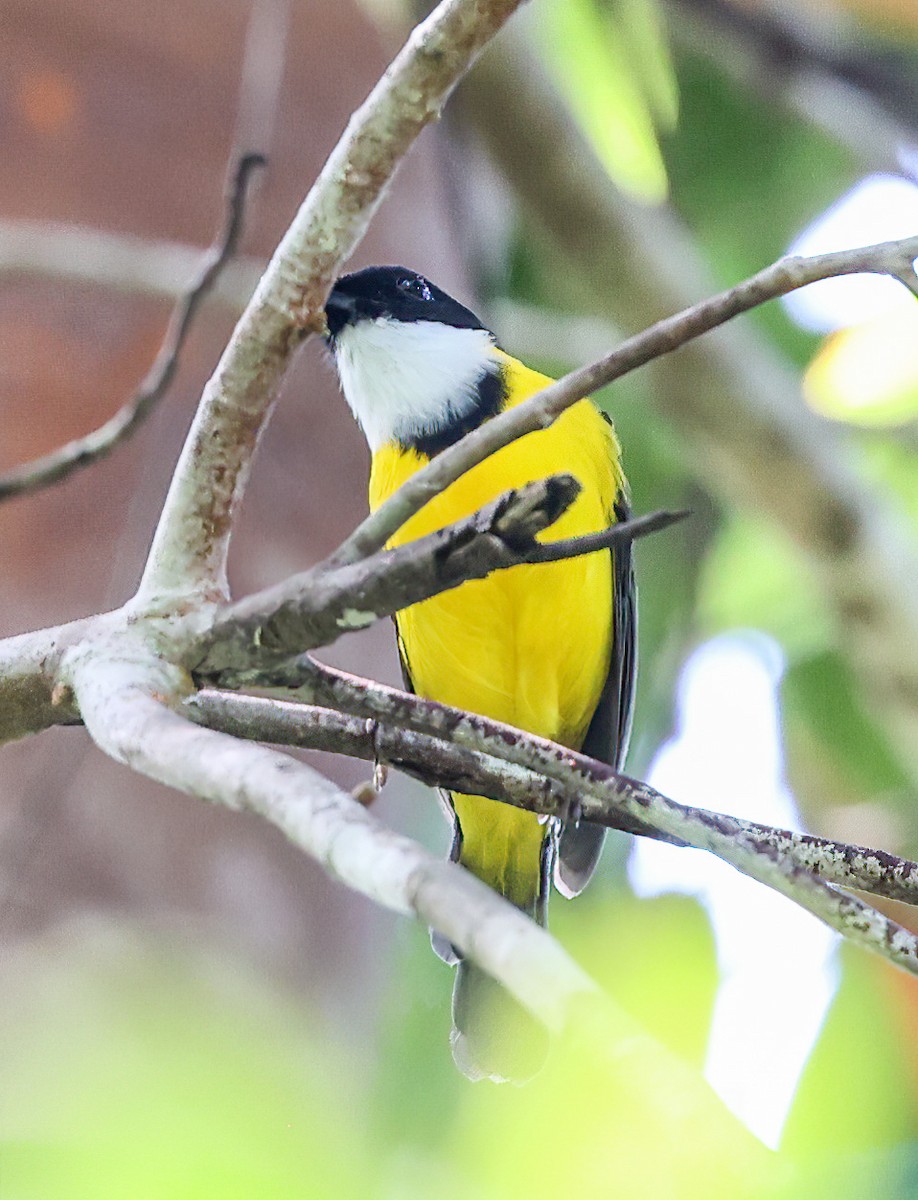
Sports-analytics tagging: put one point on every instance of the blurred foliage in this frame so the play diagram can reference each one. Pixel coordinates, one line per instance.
(744, 174)
(754, 576)
(891, 464)
(612, 64)
(635, 948)
(826, 1119)
(132, 1070)
(845, 761)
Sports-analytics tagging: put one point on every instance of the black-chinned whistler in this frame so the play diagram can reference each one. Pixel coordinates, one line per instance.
(549, 648)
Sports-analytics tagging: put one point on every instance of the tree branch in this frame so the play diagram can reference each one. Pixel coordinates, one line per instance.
(124, 710)
(523, 768)
(84, 451)
(442, 763)
(314, 608)
(140, 266)
(432, 760)
(191, 542)
(30, 699)
(867, 870)
(606, 539)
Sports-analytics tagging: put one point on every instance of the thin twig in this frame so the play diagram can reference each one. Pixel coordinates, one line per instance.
(84, 451)
(606, 539)
(543, 409)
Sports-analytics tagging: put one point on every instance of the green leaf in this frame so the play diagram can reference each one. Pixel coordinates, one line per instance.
(837, 754)
(590, 63)
(643, 31)
(858, 1088)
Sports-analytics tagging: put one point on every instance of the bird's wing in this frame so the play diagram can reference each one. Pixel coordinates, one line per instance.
(580, 844)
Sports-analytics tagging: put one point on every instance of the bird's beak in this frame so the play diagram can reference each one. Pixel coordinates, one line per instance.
(339, 310)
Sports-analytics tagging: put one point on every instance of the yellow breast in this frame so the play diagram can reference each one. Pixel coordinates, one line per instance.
(529, 645)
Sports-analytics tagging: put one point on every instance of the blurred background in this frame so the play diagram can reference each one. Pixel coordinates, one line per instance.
(190, 1008)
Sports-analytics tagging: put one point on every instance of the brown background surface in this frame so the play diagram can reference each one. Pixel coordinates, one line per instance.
(120, 116)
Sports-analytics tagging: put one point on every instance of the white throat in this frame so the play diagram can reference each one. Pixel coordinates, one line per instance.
(404, 379)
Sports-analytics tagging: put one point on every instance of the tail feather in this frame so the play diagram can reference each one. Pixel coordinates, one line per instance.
(493, 1036)
(579, 848)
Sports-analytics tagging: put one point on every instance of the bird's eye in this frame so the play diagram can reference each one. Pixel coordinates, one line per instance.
(414, 285)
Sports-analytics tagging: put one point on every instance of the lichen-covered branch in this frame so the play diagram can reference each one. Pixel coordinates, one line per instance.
(523, 765)
(313, 609)
(84, 451)
(429, 759)
(458, 766)
(30, 698)
(190, 546)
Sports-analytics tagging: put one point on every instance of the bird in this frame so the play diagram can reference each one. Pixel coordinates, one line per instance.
(549, 648)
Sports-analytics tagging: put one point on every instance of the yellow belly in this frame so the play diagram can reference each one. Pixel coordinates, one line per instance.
(530, 645)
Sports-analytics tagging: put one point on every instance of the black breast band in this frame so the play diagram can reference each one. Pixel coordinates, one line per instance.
(489, 400)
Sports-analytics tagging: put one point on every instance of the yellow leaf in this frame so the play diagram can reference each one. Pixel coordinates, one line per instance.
(868, 374)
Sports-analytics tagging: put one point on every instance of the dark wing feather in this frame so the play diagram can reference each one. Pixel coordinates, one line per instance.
(580, 844)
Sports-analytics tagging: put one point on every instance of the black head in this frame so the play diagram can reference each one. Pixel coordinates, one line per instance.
(393, 292)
